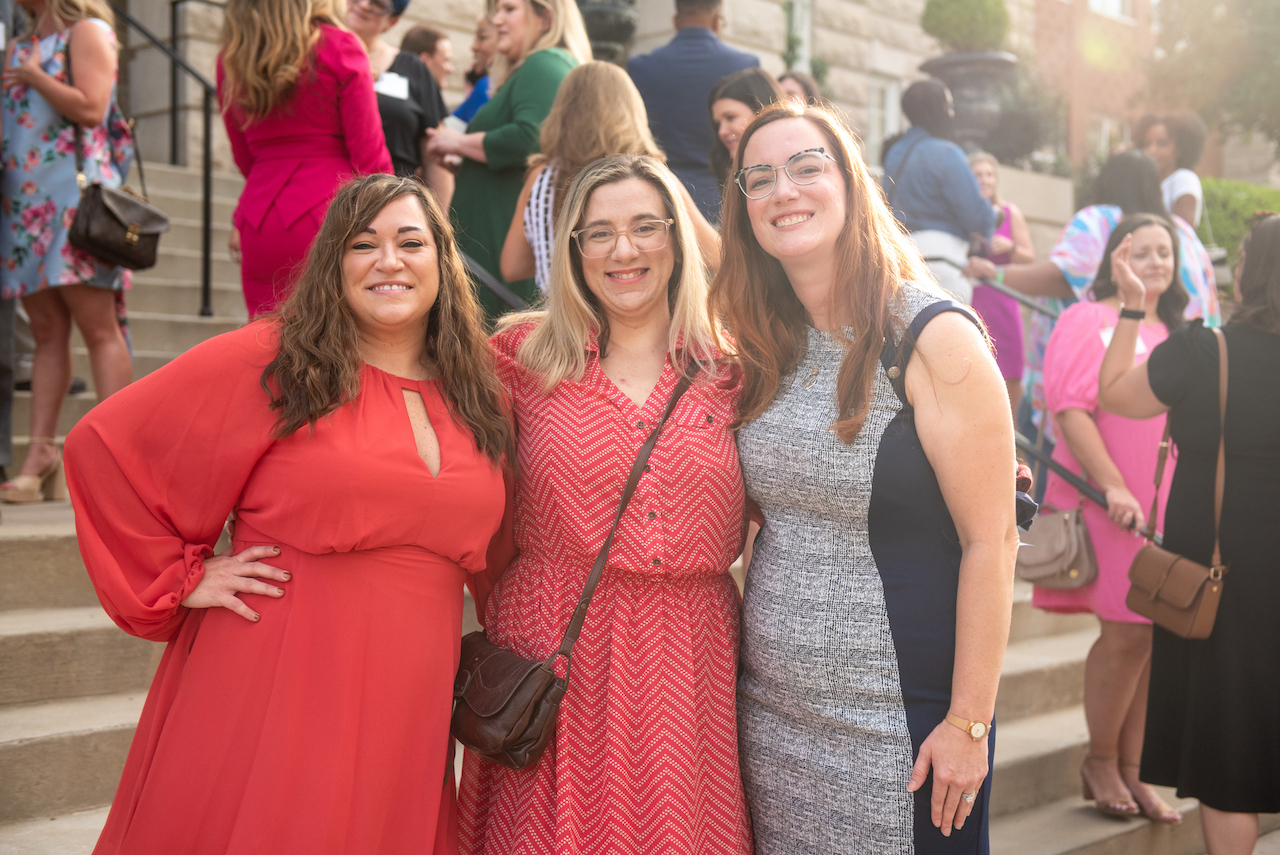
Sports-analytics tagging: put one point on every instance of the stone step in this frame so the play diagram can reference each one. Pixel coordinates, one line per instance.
(162, 332)
(69, 834)
(177, 262)
(182, 296)
(1072, 826)
(64, 755)
(52, 653)
(166, 177)
(186, 232)
(73, 409)
(1041, 675)
(1031, 622)
(40, 566)
(144, 362)
(1038, 760)
(189, 205)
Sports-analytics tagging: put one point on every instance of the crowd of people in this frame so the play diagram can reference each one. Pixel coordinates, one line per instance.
(833, 364)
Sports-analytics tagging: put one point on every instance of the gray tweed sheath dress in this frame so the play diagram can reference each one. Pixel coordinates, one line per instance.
(848, 626)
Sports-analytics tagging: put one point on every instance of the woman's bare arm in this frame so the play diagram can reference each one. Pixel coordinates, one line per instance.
(93, 71)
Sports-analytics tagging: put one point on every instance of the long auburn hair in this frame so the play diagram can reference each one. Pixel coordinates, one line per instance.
(767, 322)
(555, 348)
(265, 46)
(1173, 302)
(597, 112)
(317, 368)
(567, 30)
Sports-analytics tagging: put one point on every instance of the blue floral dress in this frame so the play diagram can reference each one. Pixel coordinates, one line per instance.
(39, 190)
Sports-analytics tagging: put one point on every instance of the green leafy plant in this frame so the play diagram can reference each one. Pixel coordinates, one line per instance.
(967, 25)
(1228, 207)
(791, 53)
(1031, 133)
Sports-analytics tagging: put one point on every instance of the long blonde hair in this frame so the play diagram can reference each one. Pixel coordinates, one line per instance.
(988, 158)
(556, 348)
(597, 112)
(754, 298)
(265, 46)
(64, 13)
(567, 31)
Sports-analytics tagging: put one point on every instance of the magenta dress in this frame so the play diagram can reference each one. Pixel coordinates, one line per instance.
(294, 160)
(1071, 364)
(1000, 313)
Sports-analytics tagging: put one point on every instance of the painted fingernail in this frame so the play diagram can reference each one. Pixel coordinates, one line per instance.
(287, 575)
(280, 591)
(257, 617)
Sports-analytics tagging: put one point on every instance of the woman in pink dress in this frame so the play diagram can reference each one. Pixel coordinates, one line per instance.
(1118, 456)
(645, 754)
(1010, 244)
(300, 125)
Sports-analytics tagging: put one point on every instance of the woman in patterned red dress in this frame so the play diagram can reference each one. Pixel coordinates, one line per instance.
(645, 757)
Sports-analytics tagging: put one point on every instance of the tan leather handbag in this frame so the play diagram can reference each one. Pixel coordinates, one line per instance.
(1057, 551)
(1177, 593)
(505, 705)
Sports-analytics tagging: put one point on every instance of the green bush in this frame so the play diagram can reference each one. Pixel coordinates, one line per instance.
(1228, 208)
(967, 25)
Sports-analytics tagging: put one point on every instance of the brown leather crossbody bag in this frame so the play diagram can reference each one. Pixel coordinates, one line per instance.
(505, 705)
(1175, 592)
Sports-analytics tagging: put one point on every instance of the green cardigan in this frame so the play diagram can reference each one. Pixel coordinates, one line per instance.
(485, 196)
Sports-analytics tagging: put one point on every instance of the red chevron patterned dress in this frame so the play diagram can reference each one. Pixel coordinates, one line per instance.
(645, 758)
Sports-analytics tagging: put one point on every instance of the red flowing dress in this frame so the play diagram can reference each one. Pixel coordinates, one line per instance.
(322, 728)
(645, 757)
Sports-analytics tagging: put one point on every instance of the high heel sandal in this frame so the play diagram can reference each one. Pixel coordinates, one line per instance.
(49, 485)
(1120, 808)
(1161, 812)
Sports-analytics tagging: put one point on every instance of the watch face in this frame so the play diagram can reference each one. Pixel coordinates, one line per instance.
(977, 730)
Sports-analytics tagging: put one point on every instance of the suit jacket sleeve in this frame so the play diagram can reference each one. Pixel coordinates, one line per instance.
(155, 469)
(358, 104)
(534, 87)
(233, 120)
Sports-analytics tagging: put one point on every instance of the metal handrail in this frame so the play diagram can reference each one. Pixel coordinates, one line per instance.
(206, 206)
(175, 148)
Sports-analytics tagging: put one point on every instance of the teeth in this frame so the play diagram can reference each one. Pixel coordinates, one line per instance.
(627, 277)
(390, 288)
(792, 220)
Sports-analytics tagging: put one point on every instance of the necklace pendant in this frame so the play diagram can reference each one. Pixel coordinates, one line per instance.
(808, 382)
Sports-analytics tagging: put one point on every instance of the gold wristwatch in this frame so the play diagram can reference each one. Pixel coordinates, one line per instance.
(975, 729)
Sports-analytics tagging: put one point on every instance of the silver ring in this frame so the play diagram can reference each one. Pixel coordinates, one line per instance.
(968, 797)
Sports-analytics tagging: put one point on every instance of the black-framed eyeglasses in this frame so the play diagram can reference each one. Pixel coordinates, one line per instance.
(645, 236)
(803, 167)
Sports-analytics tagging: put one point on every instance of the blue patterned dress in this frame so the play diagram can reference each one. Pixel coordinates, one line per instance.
(39, 189)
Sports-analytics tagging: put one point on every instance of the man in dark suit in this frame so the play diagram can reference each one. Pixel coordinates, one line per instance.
(675, 81)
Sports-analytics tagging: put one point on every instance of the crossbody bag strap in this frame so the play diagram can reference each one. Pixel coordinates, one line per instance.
(1161, 458)
(633, 480)
(1219, 481)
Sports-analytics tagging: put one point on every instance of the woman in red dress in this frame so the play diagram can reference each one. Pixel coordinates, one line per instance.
(645, 757)
(303, 701)
(299, 107)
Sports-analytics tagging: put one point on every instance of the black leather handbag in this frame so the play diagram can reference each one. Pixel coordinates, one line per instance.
(114, 225)
(505, 705)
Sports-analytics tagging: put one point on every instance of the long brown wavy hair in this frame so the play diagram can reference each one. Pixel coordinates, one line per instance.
(597, 112)
(265, 46)
(317, 369)
(768, 323)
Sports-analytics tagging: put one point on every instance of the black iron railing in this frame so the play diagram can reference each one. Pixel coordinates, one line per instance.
(177, 64)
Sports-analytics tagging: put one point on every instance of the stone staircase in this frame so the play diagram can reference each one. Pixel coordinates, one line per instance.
(72, 685)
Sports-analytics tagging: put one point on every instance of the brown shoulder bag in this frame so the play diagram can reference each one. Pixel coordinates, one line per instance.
(1177, 593)
(505, 705)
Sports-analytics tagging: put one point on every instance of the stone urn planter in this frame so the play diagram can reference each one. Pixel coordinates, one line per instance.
(976, 81)
(611, 24)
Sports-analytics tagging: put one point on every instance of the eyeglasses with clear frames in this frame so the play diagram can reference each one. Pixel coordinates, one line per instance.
(803, 167)
(645, 236)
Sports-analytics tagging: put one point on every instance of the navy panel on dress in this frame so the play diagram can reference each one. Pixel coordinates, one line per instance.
(917, 552)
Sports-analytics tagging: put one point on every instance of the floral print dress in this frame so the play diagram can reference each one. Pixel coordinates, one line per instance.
(40, 194)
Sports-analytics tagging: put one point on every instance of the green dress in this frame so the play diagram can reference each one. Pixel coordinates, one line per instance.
(485, 196)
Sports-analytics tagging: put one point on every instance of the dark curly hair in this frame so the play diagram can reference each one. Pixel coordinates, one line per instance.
(1186, 129)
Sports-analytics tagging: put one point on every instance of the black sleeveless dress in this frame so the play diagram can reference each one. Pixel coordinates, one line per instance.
(1213, 717)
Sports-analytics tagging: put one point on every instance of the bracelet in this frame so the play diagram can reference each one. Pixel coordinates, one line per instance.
(1133, 314)
(999, 275)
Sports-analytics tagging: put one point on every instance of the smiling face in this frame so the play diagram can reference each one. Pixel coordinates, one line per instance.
(1152, 260)
(985, 172)
(391, 271)
(795, 221)
(517, 26)
(369, 19)
(629, 284)
(1162, 149)
(731, 117)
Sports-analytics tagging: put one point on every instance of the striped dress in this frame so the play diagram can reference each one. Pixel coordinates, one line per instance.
(539, 223)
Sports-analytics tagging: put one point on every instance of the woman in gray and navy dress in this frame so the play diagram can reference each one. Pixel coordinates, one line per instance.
(878, 597)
